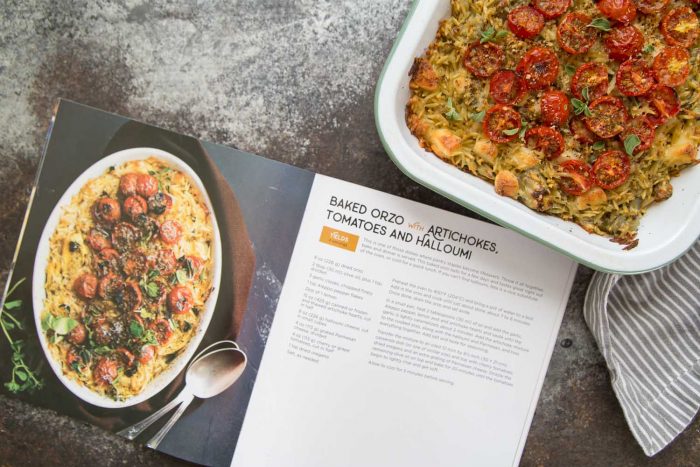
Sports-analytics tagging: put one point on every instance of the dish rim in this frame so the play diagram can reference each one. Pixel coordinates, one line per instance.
(41, 262)
(593, 256)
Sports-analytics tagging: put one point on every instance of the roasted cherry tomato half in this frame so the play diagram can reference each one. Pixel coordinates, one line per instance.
(164, 261)
(483, 60)
(551, 9)
(147, 353)
(643, 129)
(525, 22)
(538, 67)
(134, 206)
(634, 78)
(125, 236)
(125, 357)
(506, 87)
(134, 263)
(127, 184)
(170, 232)
(672, 66)
(78, 334)
(608, 117)
(555, 108)
(502, 123)
(575, 178)
(623, 11)
(108, 285)
(106, 211)
(98, 239)
(545, 139)
(650, 7)
(146, 185)
(180, 299)
(593, 76)
(161, 328)
(681, 27)
(128, 297)
(85, 286)
(580, 131)
(624, 42)
(573, 34)
(611, 169)
(665, 102)
(105, 371)
(160, 203)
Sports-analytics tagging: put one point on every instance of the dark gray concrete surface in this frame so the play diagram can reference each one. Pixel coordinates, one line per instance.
(291, 80)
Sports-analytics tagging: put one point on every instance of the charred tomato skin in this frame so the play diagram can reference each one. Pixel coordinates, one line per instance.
(525, 22)
(608, 118)
(538, 67)
(611, 169)
(578, 177)
(498, 119)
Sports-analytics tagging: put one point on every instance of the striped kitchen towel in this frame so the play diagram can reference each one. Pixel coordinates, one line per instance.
(648, 329)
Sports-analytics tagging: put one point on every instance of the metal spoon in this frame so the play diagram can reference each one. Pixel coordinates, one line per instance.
(207, 375)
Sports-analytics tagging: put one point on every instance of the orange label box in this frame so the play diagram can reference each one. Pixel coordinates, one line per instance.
(338, 238)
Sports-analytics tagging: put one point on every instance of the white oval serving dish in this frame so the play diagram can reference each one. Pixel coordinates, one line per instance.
(41, 261)
(666, 231)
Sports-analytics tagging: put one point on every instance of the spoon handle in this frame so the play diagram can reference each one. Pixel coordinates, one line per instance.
(136, 429)
(155, 441)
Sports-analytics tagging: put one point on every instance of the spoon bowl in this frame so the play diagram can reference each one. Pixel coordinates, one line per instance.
(215, 372)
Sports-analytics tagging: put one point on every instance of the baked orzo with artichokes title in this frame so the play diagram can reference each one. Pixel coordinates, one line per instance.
(130, 268)
(577, 109)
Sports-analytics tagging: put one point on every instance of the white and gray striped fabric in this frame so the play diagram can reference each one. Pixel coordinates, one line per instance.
(648, 329)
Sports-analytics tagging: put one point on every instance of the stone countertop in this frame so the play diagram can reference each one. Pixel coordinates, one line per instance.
(291, 80)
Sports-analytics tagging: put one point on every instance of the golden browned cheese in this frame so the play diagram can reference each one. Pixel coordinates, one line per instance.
(454, 133)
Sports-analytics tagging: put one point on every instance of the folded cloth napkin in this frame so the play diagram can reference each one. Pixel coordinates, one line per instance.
(648, 329)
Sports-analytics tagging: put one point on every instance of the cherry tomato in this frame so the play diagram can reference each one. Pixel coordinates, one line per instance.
(500, 119)
(127, 184)
(611, 169)
(192, 263)
(98, 239)
(555, 108)
(483, 60)
(551, 9)
(106, 211)
(147, 353)
(623, 11)
(545, 139)
(624, 42)
(665, 102)
(593, 76)
(108, 285)
(576, 177)
(608, 118)
(125, 356)
(107, 261)
(161, 328)
(634, 78)
(506, 87)
(525, 22)
(672, 66)
(170, 232)
(77, 335)
(105, 371)
(643, 129)
(160, 203)
(681, 27)
(538, 67)
(164, 261)
(128, 298)
(134, 263)
(73, 358)
(125, 236)
(573, 34)
(146, 185)
(180, 299)
(134, 206)
(102, 331)
(650, 7)
(85, 285)
(580, 131)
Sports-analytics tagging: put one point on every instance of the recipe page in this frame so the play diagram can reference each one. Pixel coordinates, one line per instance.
(404, 335)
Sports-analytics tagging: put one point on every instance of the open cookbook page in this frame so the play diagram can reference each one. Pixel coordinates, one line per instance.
(225, 308)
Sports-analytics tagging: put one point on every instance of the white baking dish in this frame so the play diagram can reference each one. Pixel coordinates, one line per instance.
(666, 231)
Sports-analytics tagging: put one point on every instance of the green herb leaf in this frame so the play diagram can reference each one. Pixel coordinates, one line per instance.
(21, 374)
(631, 143)
(648, 49)
(585, 94)
(511, 131)
(153, 273)
(579, 106)
(598, 145)
(490, 34)
(13, 304)
(600, 23)
(452, 113)
(136, 328)
(152, 289)
(569, 69)
(63, 325)
(181, 276)
(478, 117)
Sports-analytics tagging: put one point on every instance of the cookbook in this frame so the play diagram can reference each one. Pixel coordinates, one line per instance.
(228, 309)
